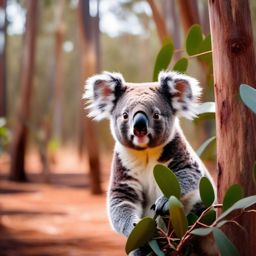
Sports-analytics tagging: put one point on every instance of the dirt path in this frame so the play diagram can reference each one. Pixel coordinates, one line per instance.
(61, 219)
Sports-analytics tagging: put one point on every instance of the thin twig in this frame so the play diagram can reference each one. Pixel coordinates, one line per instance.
(187, 234)
(199, 54)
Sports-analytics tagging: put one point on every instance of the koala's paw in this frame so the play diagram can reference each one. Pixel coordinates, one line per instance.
(161, 206)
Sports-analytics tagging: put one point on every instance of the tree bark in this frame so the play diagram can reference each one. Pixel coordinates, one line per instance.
(3, 94)
(188, 13)
(159, 21)
(20, 133)
(89, 67)
(169, 9)
(233, 64)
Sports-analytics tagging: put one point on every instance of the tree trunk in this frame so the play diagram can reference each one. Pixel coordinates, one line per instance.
(89, 67)
(189, 13)
(233, 64)
(159, 22)
(169, 10)
(3, 94)
(58, 83)
(18, 147)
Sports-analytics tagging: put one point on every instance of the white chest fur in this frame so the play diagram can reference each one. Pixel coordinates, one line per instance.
(140, 165)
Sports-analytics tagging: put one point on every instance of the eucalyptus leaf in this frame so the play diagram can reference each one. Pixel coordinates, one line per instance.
(209, 217)
(155, 247)
(207, 149)
(248, 96)
(177, 217)
(167, 181)
(163, 59)
(233, 194)
(206, 111)
(206, 191)
(241, 204)
(202, 231)
(194, 40)
(143, 232)
(192, 218)
(206, 46)
(181, 65)
(225, 246)
(221, 223)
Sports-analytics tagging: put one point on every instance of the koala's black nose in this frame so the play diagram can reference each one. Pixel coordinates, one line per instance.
(140, 124)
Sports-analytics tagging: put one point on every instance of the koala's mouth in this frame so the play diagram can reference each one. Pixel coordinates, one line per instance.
(140, 141)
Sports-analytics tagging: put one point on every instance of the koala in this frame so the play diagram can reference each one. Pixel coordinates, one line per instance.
(144, 121)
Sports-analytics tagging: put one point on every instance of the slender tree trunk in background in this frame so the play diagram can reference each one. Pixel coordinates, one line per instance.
(20, 132)
(172, 23)
(58, 83)
(233, 64)
(159, 22)
(188, 13)
(3, 94)
(89, 67)
(204, 18)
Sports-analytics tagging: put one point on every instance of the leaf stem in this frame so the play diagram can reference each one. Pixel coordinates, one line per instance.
(187, 234)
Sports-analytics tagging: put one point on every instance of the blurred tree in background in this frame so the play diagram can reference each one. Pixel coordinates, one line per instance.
(20, 132)
(124, 38)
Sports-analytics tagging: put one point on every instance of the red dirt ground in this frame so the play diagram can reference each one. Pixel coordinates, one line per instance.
(57, 219)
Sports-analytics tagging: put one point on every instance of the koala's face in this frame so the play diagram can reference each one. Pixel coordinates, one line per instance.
(142, 115)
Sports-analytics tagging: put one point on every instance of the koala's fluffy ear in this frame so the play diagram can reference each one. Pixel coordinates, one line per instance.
(102, 92)
(183, 92)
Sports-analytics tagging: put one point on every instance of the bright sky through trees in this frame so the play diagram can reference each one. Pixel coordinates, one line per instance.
(113, 20)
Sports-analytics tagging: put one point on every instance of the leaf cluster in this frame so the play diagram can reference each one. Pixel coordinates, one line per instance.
(178, 234)
(196, 45)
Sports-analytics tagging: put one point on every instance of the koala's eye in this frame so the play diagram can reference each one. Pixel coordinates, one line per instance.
(156, 116)
(125, 115)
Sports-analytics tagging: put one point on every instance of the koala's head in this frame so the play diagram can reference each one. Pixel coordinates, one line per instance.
(142, 115)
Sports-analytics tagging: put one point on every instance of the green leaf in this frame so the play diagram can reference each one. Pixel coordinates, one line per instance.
(226, 247)
(209, 217)
(163, 59)
(241, 204)
(206, 46)
(143, 232)
(167, 181)
(177, 217)
(206, 191)
(53, 145)
(206, 111)
(194, 40)
(248, 96)
(254, 173)
(207, 149)
(155, 247)
(181, 65)
(202, 231)
(233, 194)
(192, 218)
(221, 223)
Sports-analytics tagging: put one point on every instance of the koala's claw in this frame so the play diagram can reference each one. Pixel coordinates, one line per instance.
(153, 207)
(161, 206)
